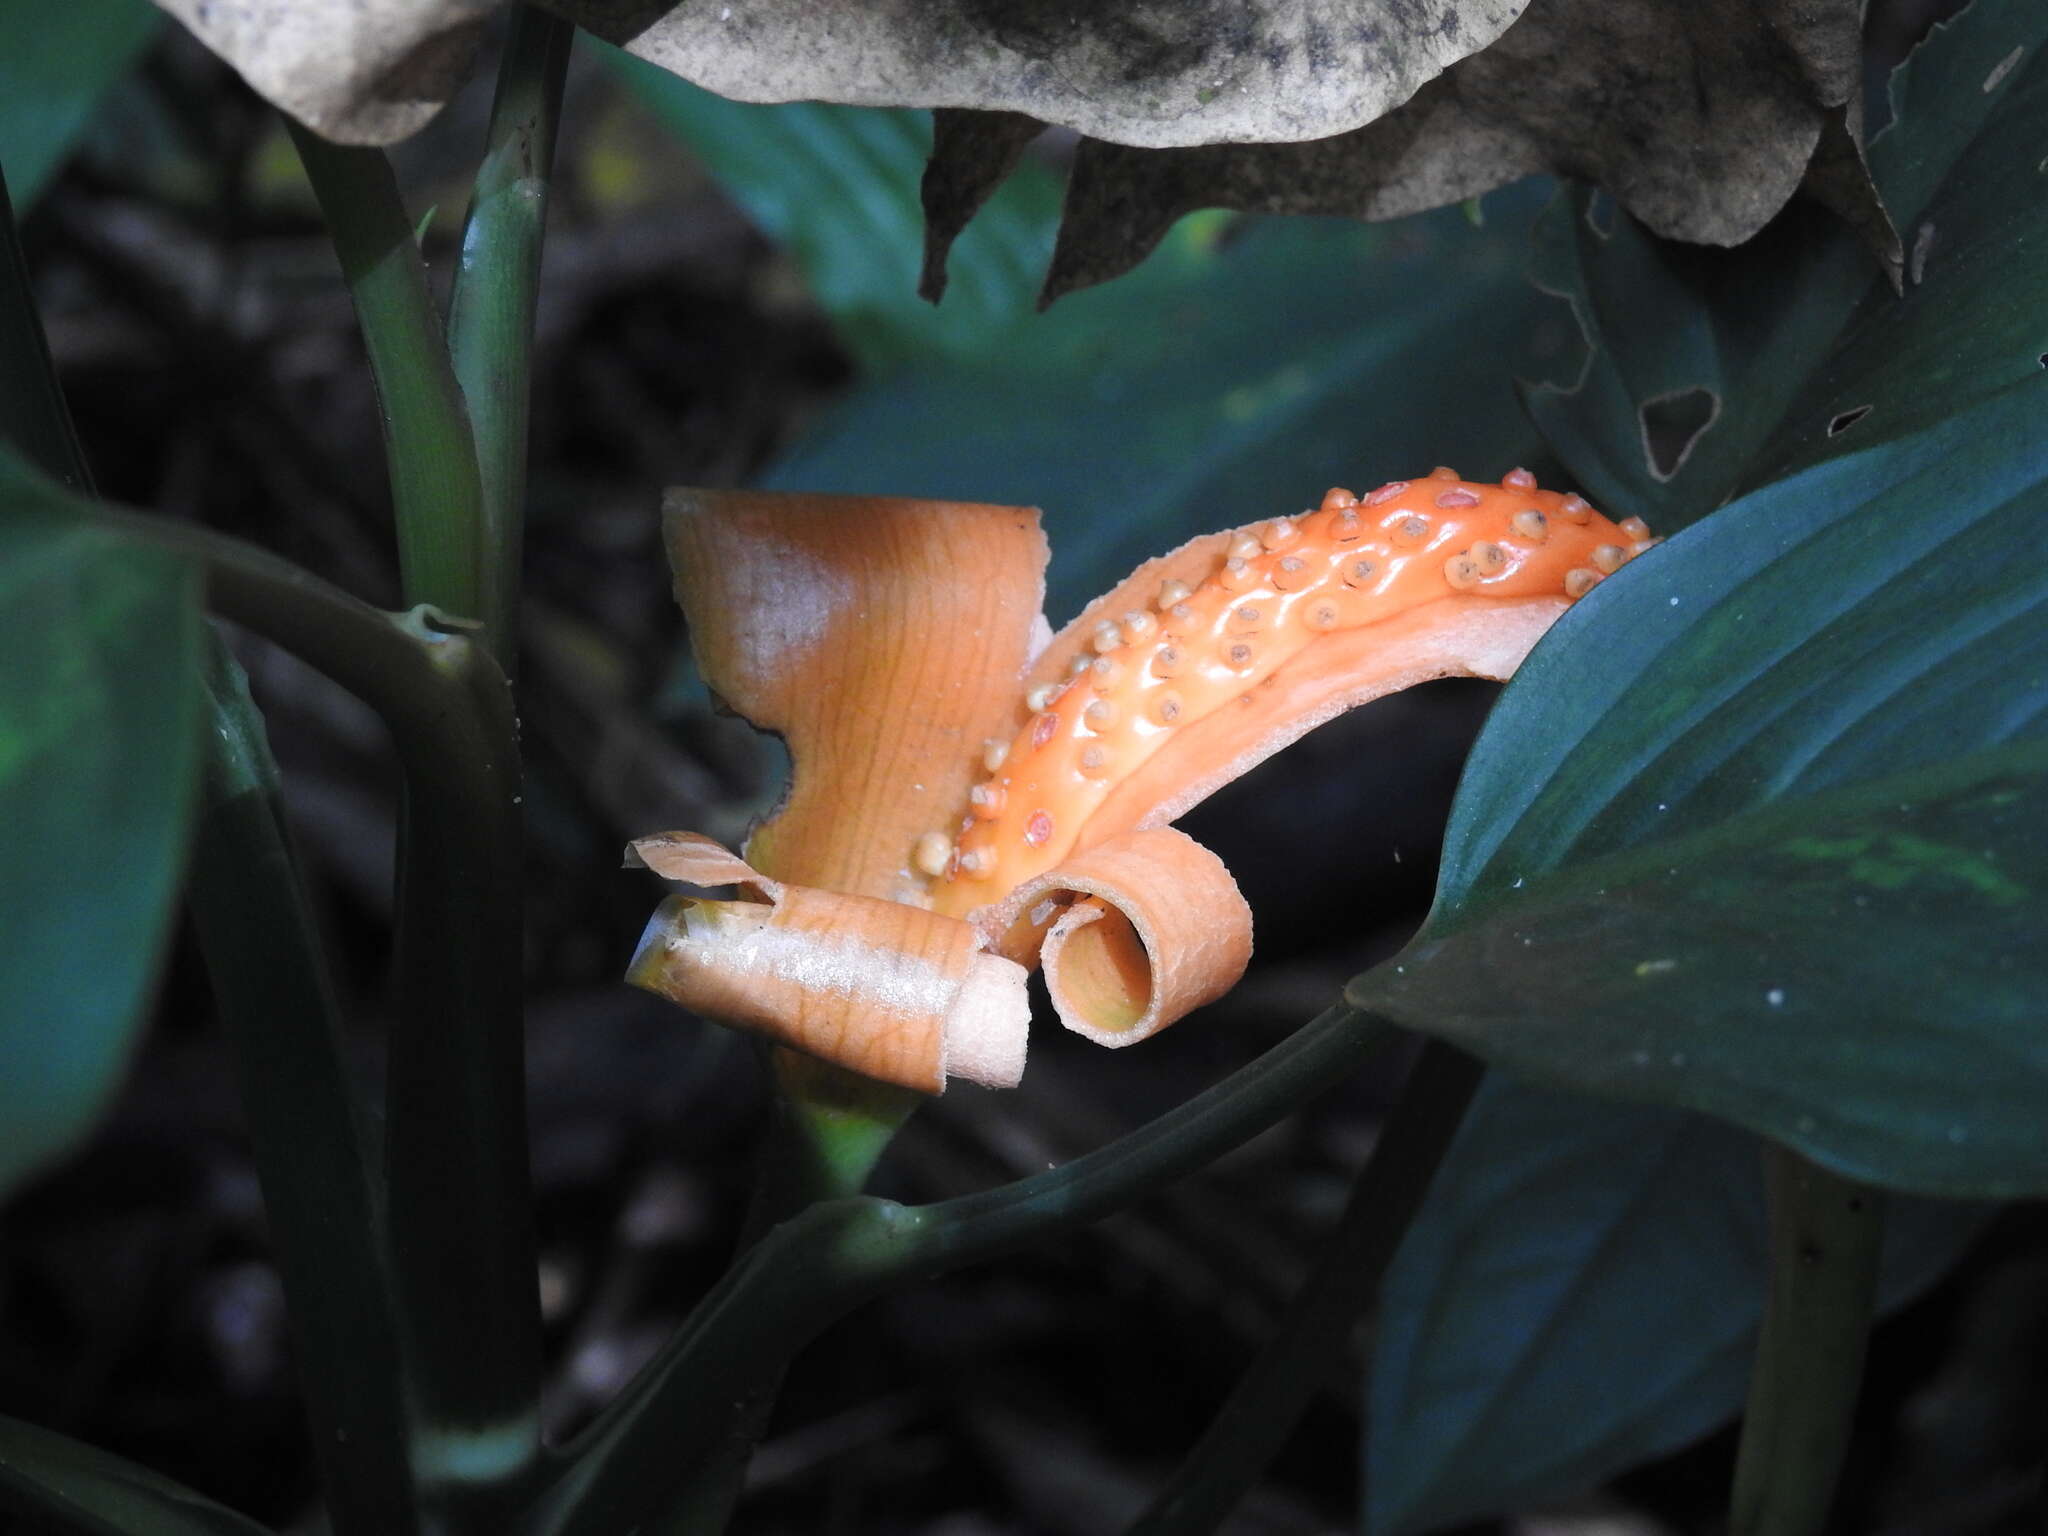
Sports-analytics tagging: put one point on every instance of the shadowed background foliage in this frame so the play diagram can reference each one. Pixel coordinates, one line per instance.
(729, 298)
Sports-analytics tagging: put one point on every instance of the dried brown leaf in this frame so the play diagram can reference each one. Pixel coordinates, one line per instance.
(1153, 72)
(1700, 118)
(368, 72)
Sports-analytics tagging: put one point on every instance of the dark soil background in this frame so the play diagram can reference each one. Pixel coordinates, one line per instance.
(213, 365)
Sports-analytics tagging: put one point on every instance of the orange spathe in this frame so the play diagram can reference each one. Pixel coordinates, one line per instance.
(1159, 929)
(938, 764)
(1210, 659)
(892, 991)
(877, 636)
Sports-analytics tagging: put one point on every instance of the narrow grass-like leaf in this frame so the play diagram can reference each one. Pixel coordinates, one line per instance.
(1759, 828)
(98, 736)
(305, 1123)
(1581, 1292)
(63, 1488)
(34, 418)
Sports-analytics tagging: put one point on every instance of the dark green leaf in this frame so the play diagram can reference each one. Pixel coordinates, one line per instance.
(1759, 829)
(1582, 1291)
(1974, 214)
(1239, 373)
(839, 187)
(1693, 356)
(62, 1487)
(98, 717)
(1676, 334)
(59, 61)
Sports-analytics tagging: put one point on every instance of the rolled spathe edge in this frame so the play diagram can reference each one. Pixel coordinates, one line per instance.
(1137, 932)
(888, 990)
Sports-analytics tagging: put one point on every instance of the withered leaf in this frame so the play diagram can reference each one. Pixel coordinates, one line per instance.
(365, 72)
(1701, 117)
(1154, 72)
(1149, 72)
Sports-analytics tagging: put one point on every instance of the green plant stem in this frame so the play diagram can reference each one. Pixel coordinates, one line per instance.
(822, 1263)
(326, 1230)
(459, 1195)
(491, 305)
(1268, 1400)
(827, 1128)
(436, 492)
(1825, 1234)
(33, 414)
(459, 1205)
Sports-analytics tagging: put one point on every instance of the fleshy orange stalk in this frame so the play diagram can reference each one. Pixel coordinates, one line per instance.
(1027, 799)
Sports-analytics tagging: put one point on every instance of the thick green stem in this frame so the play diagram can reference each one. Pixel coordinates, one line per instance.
(491, 306)
(326, 1228)
(436, 493)
(459, 1203)
(822, 1263)
(1269, 1399)
(33, 415)
(1825, 1234)
(827, 1128)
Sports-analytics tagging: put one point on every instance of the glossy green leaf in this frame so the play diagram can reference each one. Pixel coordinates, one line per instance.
(1675, 333)
(1245, 368)
(1973, 209)
(838, 186)
(98, 718)
(1581, 1292)
(59, 61)
(1759, 828)
(61, 1487)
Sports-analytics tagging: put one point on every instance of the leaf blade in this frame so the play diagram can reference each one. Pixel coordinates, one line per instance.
(99, 709)
(89, 1492)
(1517, 1360)
(1840, 668)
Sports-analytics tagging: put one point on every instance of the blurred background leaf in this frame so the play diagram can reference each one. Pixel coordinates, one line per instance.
(69, 1489)
(1244, 369)
(99, 709)
(1580, 1294)
(838, 186)
(60, 60)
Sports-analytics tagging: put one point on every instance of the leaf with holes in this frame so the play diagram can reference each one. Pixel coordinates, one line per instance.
(1518, 1356)
(1974, 211)
(1761, 828)
(1709, 372)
